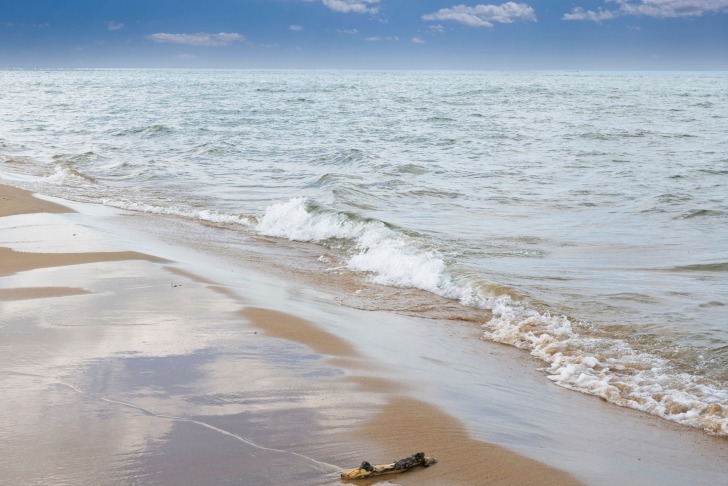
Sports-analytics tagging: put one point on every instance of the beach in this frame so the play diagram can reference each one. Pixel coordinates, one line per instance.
(120, 369)
(123, 363)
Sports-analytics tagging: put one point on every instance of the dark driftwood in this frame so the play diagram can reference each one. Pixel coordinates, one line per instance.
(367, 470)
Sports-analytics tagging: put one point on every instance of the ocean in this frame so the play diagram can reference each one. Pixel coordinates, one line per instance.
(581, 217)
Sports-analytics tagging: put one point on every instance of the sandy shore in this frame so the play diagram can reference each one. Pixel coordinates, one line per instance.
(128, 358)
(405, 424)
(120, 367)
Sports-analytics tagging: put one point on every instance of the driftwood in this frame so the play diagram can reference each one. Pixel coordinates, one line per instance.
(367, 470)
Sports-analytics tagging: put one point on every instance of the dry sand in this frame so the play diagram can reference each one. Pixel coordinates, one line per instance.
(119, 377)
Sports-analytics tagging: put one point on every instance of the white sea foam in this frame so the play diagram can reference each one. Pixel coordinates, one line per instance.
(605, 367)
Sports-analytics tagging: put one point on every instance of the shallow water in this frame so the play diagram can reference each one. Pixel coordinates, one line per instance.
(579, 216)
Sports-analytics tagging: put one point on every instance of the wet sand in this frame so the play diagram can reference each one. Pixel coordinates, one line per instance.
(17, 201)
(404, 424)
(120, 367)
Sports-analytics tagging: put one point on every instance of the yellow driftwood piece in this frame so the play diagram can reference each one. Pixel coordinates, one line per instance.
(367, 470)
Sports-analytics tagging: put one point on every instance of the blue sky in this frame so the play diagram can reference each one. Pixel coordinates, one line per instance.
(366, 34)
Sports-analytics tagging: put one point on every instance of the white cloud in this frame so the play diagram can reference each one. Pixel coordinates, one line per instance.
(436, 28)
(579, 13)
(296, 28)
(379, 38)
(418, 40)
(485, 15)
(198, 39)
(650, 8)
(348, 31)
(111, 25)
(355, 6)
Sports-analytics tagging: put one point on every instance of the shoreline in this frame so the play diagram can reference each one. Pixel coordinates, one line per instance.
(169, 403)
(187, 370)
(404, 423)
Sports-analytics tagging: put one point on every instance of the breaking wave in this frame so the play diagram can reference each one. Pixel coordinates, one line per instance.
(391, 257)
(578, 355)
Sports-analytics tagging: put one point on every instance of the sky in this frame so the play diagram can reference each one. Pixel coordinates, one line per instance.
(367, 34)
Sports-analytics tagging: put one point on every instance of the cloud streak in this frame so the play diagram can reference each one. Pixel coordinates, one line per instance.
(353, 6)
(198, 39)
(380, 38)
(649, 8)
(484, 15)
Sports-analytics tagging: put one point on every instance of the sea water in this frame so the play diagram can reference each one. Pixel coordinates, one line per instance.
(582, 217)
